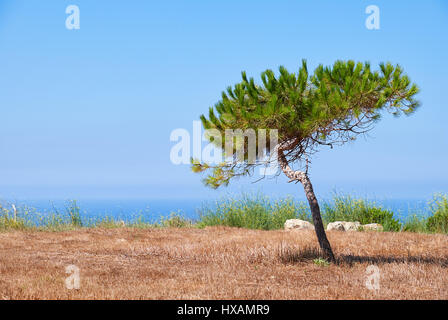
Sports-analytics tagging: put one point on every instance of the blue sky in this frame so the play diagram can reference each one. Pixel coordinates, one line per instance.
(88, 113)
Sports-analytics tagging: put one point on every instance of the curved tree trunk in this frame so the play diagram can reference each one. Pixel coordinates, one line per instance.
(317, 219)
(312, 200)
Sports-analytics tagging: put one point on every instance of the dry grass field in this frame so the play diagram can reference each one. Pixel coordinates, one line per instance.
(220, 263)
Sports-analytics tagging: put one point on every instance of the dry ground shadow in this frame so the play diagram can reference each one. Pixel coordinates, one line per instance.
(307, 254)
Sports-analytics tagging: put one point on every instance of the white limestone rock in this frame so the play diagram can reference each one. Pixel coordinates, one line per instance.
(337, 225)
(352, 226)
(297, 224)
(344, 226)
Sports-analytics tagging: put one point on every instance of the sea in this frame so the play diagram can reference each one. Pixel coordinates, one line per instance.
(153, 210)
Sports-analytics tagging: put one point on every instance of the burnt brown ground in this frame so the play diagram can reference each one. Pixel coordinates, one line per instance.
(219, 263)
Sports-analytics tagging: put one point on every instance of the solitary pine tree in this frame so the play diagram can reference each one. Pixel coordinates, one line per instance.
(330, 107)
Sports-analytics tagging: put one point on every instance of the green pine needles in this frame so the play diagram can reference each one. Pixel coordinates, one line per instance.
(329, 107)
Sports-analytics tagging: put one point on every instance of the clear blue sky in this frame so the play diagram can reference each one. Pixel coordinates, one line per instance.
(89, 112)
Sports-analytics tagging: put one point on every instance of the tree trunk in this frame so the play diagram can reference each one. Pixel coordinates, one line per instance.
(312, 200)
(317, 219)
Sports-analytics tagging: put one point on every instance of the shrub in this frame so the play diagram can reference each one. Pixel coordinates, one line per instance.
(284, 209)
(175, 220)
(73, 212)
(415, 223)
(107, 223)
(252, 212)
(56, 220)
(8, 221)
(438, 221)
(11, 219)
(346, 208)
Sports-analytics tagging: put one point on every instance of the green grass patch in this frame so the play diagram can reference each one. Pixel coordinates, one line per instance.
(438, 221)
(347, 208)
(415, 223)
(252, 211)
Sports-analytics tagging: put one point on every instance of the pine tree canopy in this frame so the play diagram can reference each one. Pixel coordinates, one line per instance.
(329, 107)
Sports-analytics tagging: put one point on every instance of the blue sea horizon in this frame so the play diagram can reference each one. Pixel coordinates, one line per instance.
(153, 210)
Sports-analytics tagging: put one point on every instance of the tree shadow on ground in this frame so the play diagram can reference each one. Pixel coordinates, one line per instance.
(307, 254)
(383, 259)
